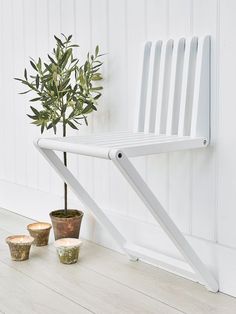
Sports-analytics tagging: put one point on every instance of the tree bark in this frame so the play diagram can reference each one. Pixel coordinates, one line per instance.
(65, 164)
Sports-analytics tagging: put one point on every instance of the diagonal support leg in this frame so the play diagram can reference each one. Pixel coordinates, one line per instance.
(85, 198)
(160, 215)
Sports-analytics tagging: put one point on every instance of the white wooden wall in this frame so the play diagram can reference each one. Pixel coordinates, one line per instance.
(198, 188)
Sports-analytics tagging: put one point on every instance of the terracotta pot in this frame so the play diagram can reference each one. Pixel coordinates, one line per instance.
(66, 227)
(40, 232)
(19, 246)
(68, 250)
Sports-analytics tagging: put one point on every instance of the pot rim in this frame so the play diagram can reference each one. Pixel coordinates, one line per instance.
(29, 242)
(66, 218)
(76, 243)
(49, 226)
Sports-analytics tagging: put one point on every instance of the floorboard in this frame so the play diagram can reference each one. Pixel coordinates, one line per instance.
(104, 281)
(21, 294)
(85, 287)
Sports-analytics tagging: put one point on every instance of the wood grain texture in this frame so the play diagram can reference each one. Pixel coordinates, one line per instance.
(87, 288)
(102, 282)
(30, 296)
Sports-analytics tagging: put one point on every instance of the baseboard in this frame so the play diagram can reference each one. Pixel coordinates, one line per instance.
(147, 237)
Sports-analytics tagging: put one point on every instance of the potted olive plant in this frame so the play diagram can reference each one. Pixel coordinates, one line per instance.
(65, 93)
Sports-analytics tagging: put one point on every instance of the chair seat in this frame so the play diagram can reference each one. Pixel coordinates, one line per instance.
(132, 144)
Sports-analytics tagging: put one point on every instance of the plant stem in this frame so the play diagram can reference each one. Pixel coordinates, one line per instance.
(65, 164)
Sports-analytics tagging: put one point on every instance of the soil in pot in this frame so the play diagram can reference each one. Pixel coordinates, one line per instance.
(66, 226)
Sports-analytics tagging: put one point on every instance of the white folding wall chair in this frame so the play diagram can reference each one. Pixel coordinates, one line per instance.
(173, 115)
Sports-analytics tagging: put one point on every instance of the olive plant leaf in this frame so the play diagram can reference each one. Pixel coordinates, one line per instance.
(66, 90)
(33, 65)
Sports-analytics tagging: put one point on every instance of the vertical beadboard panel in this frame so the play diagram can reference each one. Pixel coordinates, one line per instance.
(42, 48)
(180, 163)
(3, 130)
(67, 25)
(99, 36)
(8, 115)
(100, 26)
(136, 35)
(19, 102)
(227, 127)
(117, 80)
(1, 90)
(83, 38)
(157, 166)
(54, 28)
(204, 161)
(31, 131)
(54, 24)
(118, 71)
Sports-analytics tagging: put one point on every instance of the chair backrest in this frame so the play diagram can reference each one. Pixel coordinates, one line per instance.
(174, 92)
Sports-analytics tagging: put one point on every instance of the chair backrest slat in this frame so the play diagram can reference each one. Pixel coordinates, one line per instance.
(201, 108)
(151, 106)
(174, 87)
(143, 85)
(183, 98)
(188, 87)
(163, 88)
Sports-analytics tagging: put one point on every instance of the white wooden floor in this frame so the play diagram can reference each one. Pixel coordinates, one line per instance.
(102, 282)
